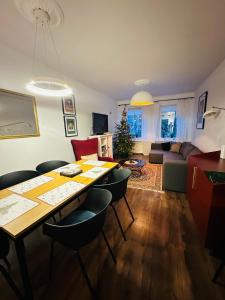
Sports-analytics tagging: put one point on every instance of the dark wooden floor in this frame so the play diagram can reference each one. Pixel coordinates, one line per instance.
(161, 260)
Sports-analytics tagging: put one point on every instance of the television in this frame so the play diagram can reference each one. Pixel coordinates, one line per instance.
(99, 123)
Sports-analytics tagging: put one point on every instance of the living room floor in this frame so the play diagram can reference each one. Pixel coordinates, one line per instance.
(162, 258)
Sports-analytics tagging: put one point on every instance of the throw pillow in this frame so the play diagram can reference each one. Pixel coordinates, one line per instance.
(166, 146)
(175, 147)
(90, 156)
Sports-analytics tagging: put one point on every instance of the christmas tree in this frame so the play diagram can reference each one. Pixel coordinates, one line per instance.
(122, 143)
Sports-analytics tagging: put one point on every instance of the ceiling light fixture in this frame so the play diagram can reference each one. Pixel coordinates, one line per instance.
(212, 113)
(45, 14)
(141, 98)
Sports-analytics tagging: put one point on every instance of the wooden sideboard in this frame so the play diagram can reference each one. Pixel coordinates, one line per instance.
(207, 200)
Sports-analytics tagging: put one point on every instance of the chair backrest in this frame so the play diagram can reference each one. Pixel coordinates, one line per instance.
(4, 245)
(16, 177)
(79, 234)
(50, 165)
(84, 147)
(118, 183)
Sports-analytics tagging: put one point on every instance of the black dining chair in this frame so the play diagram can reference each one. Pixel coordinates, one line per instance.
(16, 177)
(117, 185)
(81, 227)
(6, 181)
(4, 251)
(50, 165)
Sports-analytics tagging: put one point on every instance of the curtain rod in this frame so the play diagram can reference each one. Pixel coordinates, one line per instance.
(174, 99)
(162, 100)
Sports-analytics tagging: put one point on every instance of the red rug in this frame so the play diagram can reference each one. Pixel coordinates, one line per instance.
(150, 179)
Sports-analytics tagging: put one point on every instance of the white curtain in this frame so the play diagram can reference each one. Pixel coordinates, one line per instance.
(156, 122)
(185, 119)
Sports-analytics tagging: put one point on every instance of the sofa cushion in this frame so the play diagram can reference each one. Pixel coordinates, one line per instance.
(168, 155)
(156, 156)
(194, 151)
(175, 147)
(93, 156)
(186, 148)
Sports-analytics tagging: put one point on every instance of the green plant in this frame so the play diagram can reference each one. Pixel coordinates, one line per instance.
(123, 143)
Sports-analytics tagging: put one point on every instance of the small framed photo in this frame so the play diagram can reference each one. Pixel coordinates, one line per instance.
(70, 123)
(202, 102)
(68, 104)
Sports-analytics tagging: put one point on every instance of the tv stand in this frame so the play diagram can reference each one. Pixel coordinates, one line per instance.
(105, 144)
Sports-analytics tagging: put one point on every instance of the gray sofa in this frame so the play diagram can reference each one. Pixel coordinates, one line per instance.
(174, 164)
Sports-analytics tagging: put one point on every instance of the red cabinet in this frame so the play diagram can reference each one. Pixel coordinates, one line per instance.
(207, 199)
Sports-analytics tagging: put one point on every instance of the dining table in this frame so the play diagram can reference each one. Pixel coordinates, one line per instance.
(29, 204)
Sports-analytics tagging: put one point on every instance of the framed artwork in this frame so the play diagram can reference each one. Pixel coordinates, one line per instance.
(202, 102)
(70, 123)
(68, 104)
(18, 115)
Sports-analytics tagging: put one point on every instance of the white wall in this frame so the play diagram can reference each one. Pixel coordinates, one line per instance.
(213, 135)
(26, 153)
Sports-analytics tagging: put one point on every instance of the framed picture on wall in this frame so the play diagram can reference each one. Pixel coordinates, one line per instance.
(68, 104)
(202, 102)
(70, 123)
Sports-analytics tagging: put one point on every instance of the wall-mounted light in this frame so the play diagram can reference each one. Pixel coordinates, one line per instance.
(213, 112)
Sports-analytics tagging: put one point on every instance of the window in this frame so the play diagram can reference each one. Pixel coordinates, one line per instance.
(134, 119)
(168, 122)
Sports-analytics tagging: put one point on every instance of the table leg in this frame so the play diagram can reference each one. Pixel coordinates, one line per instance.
(21, 255)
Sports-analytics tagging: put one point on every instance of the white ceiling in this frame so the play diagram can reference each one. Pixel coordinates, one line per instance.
(108, 44)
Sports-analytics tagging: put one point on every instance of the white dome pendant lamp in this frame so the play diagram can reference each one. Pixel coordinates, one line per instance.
(142, 98)
(45, 14)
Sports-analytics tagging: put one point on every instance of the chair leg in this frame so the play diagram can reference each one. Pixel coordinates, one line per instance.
(93, 293)
(51, 258)
(11, 282)
(54, 219)
(132, 216)
(118, 220)
(110, 250)
(218, 271)
(7, 262)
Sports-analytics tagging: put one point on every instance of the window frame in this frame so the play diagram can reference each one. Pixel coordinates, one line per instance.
(138, 109)
(160, 122)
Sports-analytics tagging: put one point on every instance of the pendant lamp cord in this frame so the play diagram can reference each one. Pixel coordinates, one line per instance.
(34, 49)
(58, 61)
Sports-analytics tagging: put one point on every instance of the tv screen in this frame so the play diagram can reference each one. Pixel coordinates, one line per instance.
(100, 123)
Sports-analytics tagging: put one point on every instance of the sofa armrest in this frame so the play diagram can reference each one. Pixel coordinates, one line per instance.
(175, 175)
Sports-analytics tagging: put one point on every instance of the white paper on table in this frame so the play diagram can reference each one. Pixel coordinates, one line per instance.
(61, 193)
(13, 206)
(96, 163)
(94, 172)
(30, 184)
(69, 167)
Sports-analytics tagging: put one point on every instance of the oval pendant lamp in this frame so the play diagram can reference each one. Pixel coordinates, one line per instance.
(44, 14)
(141, 98)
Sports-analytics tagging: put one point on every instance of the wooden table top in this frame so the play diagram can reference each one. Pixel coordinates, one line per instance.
(24, 222)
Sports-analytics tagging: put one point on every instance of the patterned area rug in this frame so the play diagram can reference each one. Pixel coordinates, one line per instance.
(151, 179)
